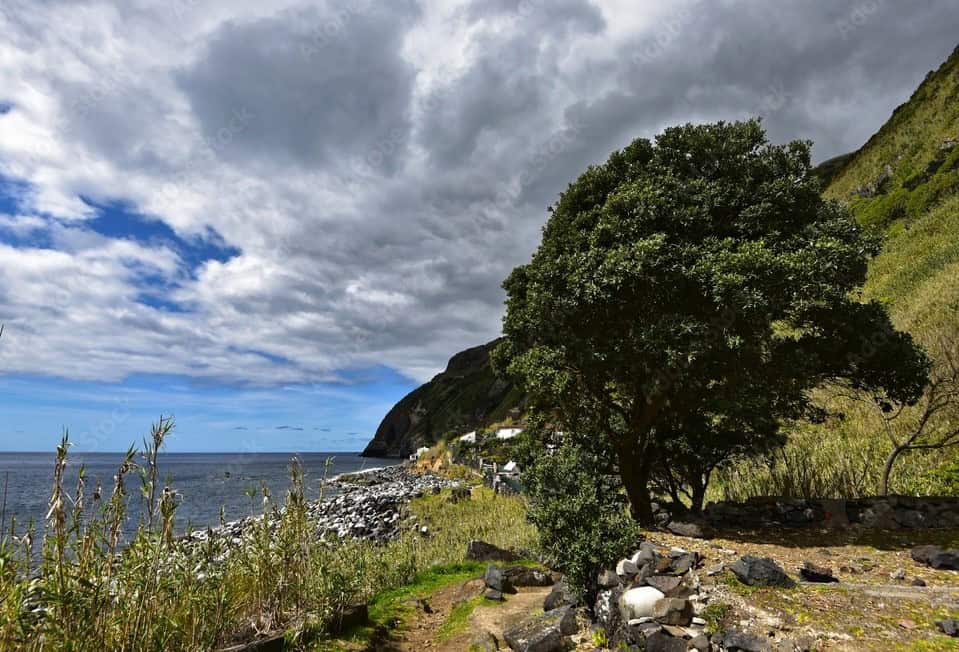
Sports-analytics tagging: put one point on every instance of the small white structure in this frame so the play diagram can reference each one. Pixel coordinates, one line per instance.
(420, 452)
(507, 433)
(510, 467)
(469, 438)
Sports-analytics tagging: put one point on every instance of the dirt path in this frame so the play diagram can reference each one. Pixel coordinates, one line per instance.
(429, 627)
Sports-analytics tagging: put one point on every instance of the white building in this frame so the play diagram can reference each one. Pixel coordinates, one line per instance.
(468, 438)
(507, 433)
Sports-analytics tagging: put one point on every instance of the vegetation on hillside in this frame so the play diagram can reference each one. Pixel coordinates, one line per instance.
(688, 296)
(464, 397)
(912, 162)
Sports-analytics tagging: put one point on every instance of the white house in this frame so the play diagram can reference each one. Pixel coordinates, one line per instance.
(510, 467)
(420, 452)
(469, 438)
(507, 433)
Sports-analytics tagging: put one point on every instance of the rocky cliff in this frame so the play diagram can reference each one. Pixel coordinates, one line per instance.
(466, 396)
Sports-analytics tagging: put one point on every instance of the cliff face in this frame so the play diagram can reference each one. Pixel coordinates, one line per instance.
(465, 396)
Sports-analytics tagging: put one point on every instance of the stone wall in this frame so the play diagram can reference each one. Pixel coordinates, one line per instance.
(887, 513)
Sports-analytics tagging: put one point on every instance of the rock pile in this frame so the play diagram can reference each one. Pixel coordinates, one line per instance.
(936, 557)
(362, 506)
(372, 510)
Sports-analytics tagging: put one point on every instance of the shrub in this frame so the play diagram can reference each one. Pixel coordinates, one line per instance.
(581, 516)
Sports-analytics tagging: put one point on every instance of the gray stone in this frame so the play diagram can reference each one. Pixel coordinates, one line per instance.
(949, 626)
(700, 643)
(543, 633)
(668, 584)
(761, 571)
(735, 641)
(662, 642)
(608, 579)
(525, 576)
(918, 581)
(684, 563)
(482, 551)
(813, 573)
(673, 611)
(560, 596)
(936, 557)
(493, 594)
(689, 529)
(495, 580)
(626, 568)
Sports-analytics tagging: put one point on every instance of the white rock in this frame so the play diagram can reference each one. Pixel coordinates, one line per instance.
(638, 602)
(640, 621)
(626, 568)
(698, 621)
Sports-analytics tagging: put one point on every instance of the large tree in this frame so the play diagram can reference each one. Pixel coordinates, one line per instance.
(689, 293)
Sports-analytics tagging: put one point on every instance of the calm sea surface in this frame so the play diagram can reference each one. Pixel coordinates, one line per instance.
(206, 481)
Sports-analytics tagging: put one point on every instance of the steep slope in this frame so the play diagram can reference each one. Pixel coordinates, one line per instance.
(465, 396)
(912, 162)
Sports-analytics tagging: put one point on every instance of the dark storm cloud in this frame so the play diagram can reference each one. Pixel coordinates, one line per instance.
(318, 87)
(381, 170)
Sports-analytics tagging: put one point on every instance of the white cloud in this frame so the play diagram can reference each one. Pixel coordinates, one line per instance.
(380, 167)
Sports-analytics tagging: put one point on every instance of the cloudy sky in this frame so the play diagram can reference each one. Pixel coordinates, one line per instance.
(273, 219)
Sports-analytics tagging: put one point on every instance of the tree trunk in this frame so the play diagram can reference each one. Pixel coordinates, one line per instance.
(887, 470)
(634, 470)
(699, 493)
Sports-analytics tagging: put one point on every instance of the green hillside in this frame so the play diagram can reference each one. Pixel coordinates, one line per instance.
(912, 162)
(464, 397)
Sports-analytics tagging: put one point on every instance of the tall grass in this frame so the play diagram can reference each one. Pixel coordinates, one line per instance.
(92, 589)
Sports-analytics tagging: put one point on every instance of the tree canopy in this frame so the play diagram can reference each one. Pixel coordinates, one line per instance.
(689, 293)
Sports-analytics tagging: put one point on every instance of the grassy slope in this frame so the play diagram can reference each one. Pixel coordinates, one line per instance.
(909, 143)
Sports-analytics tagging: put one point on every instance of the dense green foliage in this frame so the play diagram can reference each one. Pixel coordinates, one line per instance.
(916, 277)
(581, 515)
(687, 297)
(465, 396)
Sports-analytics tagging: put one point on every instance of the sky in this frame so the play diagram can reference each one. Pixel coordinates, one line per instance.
(272, 220)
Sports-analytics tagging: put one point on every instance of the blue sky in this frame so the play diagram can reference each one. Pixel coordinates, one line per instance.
(102, 417)
(273, 220)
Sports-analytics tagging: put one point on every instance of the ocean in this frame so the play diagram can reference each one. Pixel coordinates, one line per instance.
(205, 481)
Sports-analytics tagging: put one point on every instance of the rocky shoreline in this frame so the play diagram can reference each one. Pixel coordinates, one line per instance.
(366, 505)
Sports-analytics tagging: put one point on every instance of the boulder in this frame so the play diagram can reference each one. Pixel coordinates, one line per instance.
(924, 554)
(949, 626)
(645, 555)
(669, 585)
(495, 580)
(493, 594)
(608, 579)
(662, 642)
(639, 602)
(673, 611)
(946, 560)
(813, 573)
(684, 563)
(735, 641)
(761, 571)
(936, 557)
(700, 643)
(626, 568)
(560, 596)
(689, 529)
(482, 551)
(525, 576)
(543, 633)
